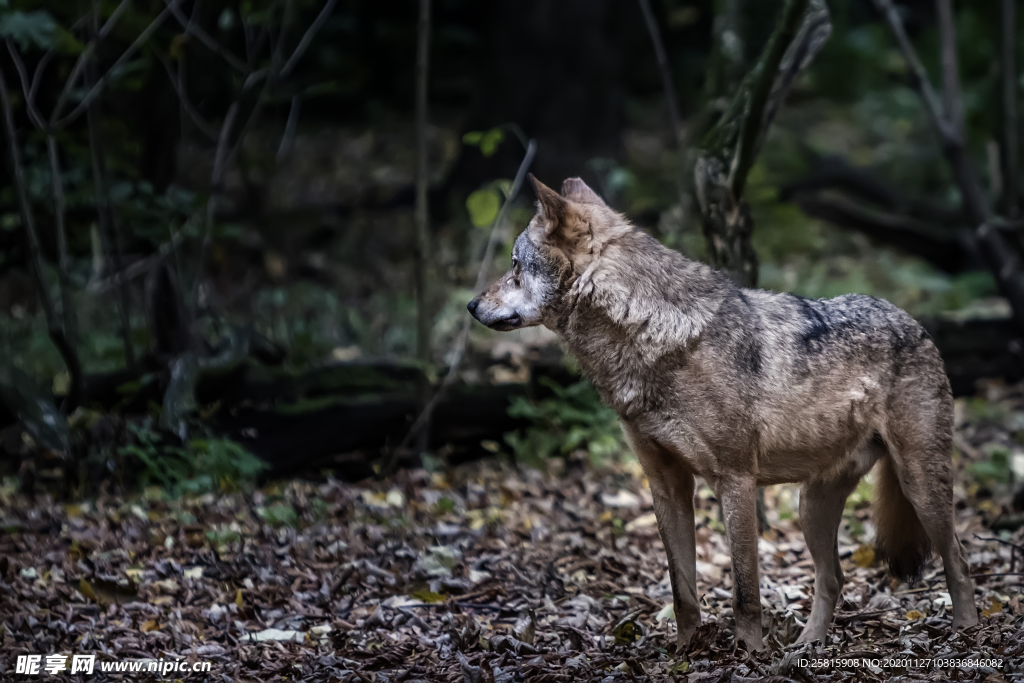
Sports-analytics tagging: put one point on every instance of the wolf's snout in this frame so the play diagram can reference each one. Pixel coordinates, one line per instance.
(471, 307)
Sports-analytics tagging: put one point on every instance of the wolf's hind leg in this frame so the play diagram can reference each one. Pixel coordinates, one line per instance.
(672, 490)
(821, 511)
(921, 469)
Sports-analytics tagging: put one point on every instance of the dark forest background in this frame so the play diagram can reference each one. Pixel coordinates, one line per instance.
(208, 228)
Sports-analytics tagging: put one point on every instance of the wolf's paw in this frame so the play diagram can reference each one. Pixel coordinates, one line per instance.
(809, 635)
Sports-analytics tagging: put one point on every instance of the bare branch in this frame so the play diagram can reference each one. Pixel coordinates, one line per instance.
(207, 128)
(951, 250)
(950, 73)
(666, 73)
(30, 105)
(307, 38)
(421, 213)
(94, 92)
(66, 301)
(1008, 69)
(1000, 259)
(498, 234)
(924, 86)
(763, 79)
(193, 29)
(289, 130)
(86, 55)
(110, 229)
(56, 332)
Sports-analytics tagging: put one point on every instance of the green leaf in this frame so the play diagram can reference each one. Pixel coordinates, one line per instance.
(483, 206)
(490, 141)
(473, 137)
(37, 28)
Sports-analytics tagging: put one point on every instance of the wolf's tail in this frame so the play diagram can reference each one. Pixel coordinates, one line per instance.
(899, 538)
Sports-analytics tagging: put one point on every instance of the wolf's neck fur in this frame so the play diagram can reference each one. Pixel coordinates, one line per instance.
(637, 303)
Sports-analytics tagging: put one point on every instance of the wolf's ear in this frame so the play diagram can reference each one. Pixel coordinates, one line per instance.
(578, 191)
(553, 206)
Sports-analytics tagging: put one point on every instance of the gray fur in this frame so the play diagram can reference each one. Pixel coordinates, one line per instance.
(745, 388)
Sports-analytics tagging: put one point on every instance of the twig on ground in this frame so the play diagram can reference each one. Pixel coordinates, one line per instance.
(858, 616)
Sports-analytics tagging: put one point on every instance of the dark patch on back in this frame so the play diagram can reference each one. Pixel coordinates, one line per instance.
(816, 328)
(749, 349)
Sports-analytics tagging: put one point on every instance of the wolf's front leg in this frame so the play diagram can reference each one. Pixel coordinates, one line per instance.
(672, 490)
(738, 496)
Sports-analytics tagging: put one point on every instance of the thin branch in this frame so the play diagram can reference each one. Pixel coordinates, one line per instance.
(1000, 259)
(137, 268)
(86, 55)
(763, 77)
(949, 250)
(497, 235)
(63, 266)
(288, 138)
(37, 76)
(421, 246)
(921, 82)
(950, 73)
(307, 38)
(1008, 69)
(101, 83)
(109, 227)
(216, 186)
(666, 73)
(193, 29)
(207, 128)
(30, 106)
(56, 333)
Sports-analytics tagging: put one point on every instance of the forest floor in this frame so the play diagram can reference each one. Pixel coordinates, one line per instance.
(481, 573)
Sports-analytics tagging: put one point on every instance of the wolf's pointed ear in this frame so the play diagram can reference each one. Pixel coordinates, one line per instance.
(553, 206)
(578, 191)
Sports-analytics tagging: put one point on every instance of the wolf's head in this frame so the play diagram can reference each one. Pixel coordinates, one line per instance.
(560, 242)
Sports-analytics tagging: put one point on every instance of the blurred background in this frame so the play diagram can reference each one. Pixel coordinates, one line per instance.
(241, 235)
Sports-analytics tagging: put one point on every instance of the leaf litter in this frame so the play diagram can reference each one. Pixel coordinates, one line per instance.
(481, 573)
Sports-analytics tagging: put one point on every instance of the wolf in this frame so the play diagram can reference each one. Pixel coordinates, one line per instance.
(744, 388)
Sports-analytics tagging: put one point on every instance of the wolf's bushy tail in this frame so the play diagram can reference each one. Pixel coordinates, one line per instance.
(900, 539)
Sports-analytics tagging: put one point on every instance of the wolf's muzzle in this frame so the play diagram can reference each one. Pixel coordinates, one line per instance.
(506, 324)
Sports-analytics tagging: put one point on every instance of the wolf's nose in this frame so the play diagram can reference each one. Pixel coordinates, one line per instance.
(471, 306)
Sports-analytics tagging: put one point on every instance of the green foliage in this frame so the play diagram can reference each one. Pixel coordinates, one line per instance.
(483, 206)
(29, 28)
(995, 470)
(487, 141)
(573, 418)
(202, 466)
(279, 514)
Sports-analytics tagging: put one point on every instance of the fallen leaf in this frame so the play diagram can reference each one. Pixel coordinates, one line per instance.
(642, 522)
(628, 632)
(621, 499)
(525, 628)
(666, 612)
(864, 556)
(276, 634)
(995, 607)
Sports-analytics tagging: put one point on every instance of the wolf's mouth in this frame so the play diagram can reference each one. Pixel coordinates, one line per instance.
(507, 324)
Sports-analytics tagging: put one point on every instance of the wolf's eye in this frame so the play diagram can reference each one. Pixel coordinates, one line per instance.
(515, 262)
